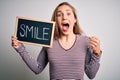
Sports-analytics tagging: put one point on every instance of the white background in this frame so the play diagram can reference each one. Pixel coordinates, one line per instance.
(99, 18)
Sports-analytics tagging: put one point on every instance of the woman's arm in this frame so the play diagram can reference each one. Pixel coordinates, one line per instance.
(91, 64)
(92, 57)
(35, 65)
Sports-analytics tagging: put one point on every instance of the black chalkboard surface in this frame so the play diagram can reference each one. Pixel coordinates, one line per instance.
(34, 31)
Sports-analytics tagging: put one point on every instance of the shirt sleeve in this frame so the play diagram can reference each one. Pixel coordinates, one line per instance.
(91, 63)
(36, 66)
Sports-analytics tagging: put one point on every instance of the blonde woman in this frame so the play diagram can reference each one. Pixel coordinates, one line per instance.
(72, 54)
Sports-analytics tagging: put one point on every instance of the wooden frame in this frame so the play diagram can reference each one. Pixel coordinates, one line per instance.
(32, 31)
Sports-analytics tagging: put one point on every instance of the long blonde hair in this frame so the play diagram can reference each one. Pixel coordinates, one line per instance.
(76, 29)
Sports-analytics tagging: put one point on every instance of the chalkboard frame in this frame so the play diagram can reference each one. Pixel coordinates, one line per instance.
(35, 20)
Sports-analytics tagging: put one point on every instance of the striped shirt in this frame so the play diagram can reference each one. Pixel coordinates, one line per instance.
(64, 64)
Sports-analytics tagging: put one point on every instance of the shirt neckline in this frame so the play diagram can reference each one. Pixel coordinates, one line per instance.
(70, 47)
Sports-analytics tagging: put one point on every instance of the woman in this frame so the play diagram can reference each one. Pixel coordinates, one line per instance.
(72, 53)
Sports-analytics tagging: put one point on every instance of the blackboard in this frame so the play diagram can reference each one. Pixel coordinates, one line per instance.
(34, 31)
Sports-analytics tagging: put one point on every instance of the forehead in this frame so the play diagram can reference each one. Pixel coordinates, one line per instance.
(64, 8)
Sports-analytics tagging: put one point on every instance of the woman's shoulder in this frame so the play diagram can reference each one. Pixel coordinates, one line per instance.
(83, 39)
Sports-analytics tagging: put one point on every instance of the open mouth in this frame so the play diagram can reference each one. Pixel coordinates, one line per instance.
(65, 26)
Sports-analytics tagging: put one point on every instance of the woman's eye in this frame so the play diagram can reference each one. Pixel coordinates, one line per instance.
(58, 15)
(68, 14)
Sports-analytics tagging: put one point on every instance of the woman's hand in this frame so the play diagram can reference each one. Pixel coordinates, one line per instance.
(15, 43)
(95, 45)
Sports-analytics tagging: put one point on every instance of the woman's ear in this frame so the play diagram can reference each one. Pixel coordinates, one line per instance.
(75, 20)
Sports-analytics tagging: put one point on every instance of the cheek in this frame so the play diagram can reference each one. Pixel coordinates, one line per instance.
(58, 22)
(73, 20)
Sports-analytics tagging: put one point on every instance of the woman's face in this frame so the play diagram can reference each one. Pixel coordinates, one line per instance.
(65, 20)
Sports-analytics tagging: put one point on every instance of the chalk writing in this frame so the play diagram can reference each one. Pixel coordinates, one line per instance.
(34, 32)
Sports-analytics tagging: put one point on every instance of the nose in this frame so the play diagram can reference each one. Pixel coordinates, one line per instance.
(64, 17)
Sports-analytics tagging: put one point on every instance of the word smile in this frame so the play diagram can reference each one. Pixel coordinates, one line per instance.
(34, 32)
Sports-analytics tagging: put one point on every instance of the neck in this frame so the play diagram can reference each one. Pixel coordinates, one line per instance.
(67, 38)
(67, 42)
